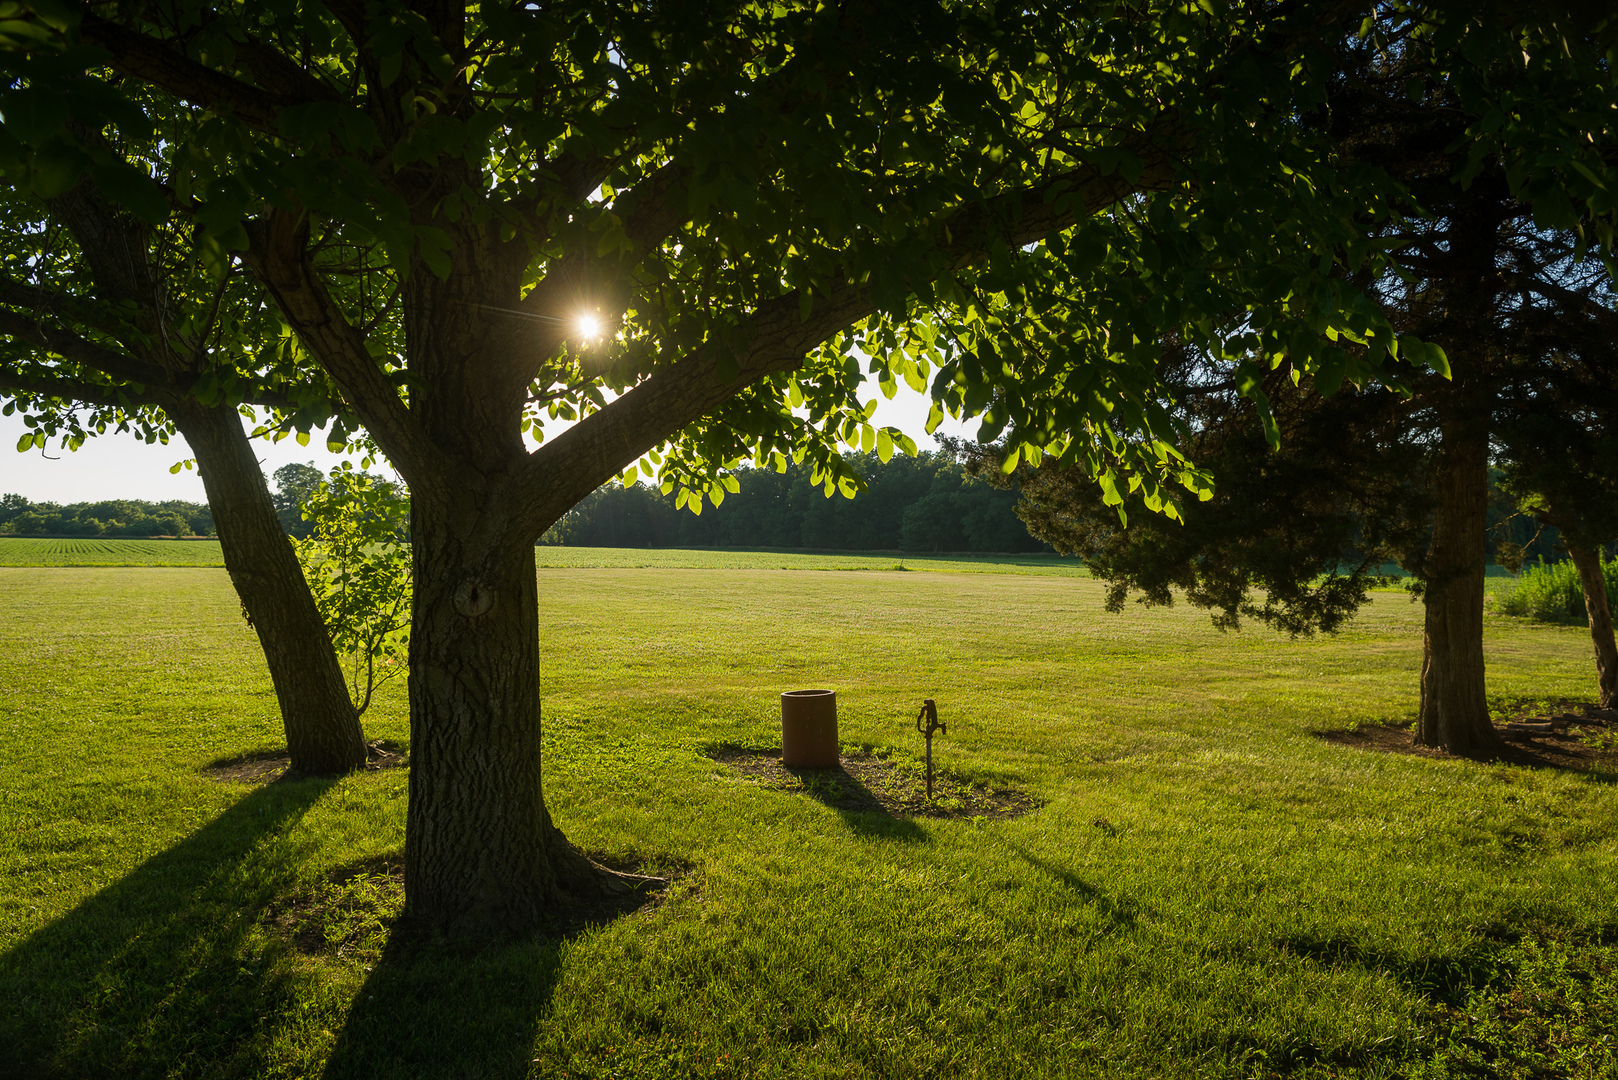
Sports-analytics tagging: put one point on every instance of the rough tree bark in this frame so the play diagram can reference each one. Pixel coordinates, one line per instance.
(1454, 711)
(1460, 316)
(481, 853)
(1594, 584)
(322, 728)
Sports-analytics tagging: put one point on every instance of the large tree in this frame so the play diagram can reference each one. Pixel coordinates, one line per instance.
(1502, 260)
(697, 229)
(109, 323)
(1486, 270)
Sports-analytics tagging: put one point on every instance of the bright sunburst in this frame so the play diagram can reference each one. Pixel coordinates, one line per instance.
(588, 327)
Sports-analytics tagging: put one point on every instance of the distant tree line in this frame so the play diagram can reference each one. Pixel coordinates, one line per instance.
(922, 503)
(925, 503)
(111, 517)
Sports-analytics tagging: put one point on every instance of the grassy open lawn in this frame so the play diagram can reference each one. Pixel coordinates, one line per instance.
(35, 551)
(1208, 890)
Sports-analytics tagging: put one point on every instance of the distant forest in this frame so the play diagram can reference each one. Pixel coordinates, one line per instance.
(921, 504)
(113, 517)
(924, 503)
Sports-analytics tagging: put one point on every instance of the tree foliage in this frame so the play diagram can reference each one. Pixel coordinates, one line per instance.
(885, 181)
(356, 559)
(294, 484)
(1293, 536)
(108, 517)
(920, 503)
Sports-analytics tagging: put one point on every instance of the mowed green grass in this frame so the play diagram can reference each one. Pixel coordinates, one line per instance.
(29, 551)
(32, 551)
(1210, 890)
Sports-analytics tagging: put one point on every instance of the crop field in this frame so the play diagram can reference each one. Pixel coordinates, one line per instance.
(28, 551)
(745, 559)
(1201, 886)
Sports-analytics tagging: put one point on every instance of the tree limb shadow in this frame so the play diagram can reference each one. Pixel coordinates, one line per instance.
(835, 787)
(453, 1009)
(1121, 913)
(1439, 979)
(159, 967)
(447, 1010)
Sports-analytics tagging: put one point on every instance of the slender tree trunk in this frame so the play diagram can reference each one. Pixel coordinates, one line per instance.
(323, 730)
(1454, 711)
(481, 853)
(1594, 584)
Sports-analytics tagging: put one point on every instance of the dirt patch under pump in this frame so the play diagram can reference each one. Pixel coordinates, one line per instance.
(1564, 734)
(868, 782)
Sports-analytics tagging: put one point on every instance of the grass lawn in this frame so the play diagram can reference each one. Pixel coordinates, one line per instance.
(1207, 891)
(33, 551)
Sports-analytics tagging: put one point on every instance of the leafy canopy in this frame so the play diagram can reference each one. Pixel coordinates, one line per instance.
(763, 204)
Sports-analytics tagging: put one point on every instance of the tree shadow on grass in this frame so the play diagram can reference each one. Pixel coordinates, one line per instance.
(161, 967)
(856, 804)
(447, 1010)
(1587, 744)
(1446, 980)
(1120, 913)
(451, 1009)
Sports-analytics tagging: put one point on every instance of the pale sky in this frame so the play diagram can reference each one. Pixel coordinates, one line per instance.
(123, 467)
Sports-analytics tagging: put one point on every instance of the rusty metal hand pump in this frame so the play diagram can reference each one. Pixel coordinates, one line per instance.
(929, 712)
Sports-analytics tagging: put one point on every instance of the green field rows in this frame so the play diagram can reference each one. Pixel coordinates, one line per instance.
(28, 551)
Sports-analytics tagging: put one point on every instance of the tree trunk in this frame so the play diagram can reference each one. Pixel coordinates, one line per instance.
(1594, 584)
(481, 853)
(323, 730)
(1454, 712)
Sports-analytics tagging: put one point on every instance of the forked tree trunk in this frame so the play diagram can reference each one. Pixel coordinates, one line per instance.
(1594, 584)
(481, 853)
(323, 730)
(1454, 711)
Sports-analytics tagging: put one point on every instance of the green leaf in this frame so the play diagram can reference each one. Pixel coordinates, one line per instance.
(132, 188)
(1329, 375)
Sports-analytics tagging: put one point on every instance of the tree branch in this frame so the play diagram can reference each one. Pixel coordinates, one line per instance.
(105, 397)
(565, 469)
(78, 350)
(156, 63)
(278, 257)
(76, 309)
